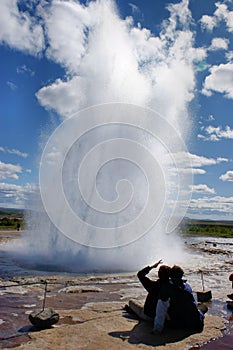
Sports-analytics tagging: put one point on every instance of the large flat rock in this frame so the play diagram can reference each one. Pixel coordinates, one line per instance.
(106, 326)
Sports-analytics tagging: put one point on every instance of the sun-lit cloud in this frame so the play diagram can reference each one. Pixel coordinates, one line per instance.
(202, 188)
(140, 68)
(13, 151)
(219, 44)
(184, 159)
(219, 80)
(18, 29)
(229, 56)
(222, 14)
(65, 97)
(135, 9)
(194, 171)
(11, 85)
(10, 171)
(12, 195)
(228, 176)
(213, 133)
(67, 43)
(208, 22)
(189, 163)
(204, 205)
(24, 69)
(110, 59)
(211, 117)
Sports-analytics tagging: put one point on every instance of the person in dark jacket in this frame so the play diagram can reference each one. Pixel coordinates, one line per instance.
(153, 288)
(230, 296)
(176, 300)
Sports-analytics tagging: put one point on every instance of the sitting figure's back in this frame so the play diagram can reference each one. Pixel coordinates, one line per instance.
(177, 300)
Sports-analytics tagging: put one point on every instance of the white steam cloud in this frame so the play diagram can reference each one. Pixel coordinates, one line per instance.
(108, 59)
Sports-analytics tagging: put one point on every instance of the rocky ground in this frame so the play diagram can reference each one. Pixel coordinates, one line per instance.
(91, 310)
(92, 316)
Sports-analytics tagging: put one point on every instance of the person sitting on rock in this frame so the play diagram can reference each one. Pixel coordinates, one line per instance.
(230, 296)
(177, 306)
(153, 287)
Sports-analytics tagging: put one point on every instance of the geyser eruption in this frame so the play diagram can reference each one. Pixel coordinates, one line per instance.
(111, 187)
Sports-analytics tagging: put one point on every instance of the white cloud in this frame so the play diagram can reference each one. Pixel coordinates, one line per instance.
(228, 176)
(15, 195)
(9, 171)
(184, 159)
(219, 44)
(18, 153)
(208, 22)
(18, 29)
(65, 97)
(189, 163)
(223, 205)
(211, 117)
(11, 85)
(229, 56)
(14, 151)
(216, 133)
(202, 188)
(135, 9)
(194, 171)
(221, 14)
(66, 23)
(138, 68)
(219, 80)
(24, 69)
(220, 133)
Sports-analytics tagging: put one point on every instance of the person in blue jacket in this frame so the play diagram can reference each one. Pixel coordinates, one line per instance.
(176, 305)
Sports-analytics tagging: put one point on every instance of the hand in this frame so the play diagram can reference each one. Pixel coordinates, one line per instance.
(156, 264)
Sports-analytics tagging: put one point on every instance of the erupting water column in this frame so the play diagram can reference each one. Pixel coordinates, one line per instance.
(111, 180)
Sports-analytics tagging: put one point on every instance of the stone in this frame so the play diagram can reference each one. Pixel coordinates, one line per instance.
(81, 289)
(42, 319)
(230, 305)
(204, 296)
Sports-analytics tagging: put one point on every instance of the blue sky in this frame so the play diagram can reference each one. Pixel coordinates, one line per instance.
(46, 48)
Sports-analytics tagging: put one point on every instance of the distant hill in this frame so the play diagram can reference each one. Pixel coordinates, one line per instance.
(188, 221)
(12, 212)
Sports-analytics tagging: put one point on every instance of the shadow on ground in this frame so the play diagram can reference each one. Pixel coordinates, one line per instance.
(142, 334)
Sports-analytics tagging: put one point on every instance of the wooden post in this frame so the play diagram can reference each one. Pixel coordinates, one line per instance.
(45, 291)
(202, 281)
(203, 295)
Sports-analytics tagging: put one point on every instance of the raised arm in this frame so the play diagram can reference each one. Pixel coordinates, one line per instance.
(145, 281)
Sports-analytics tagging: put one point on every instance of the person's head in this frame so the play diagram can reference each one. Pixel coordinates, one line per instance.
(164, 272)
(176, 272)
(231, 278)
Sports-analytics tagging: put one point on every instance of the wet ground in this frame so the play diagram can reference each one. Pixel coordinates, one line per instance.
(20, 297)
(17, 302)
(22, 291)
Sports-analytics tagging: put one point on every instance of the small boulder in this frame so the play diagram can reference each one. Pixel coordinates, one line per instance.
(42, 319)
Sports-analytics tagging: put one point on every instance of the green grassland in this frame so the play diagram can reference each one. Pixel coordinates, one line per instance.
(222, 229)
(10, 219)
